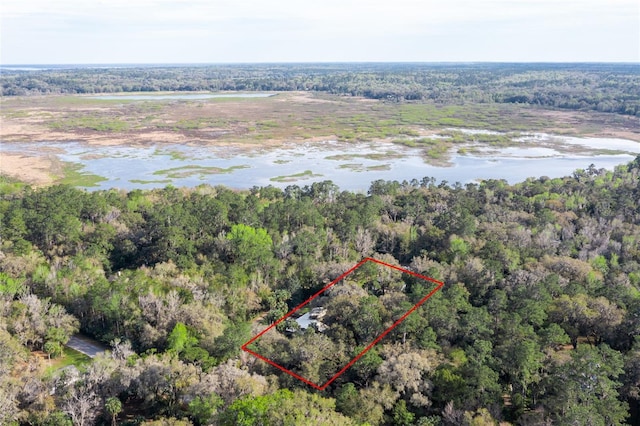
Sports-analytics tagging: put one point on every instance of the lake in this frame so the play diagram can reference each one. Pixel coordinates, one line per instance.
(352, 166)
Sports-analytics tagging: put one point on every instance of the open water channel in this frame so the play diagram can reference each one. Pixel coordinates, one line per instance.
(352, 166)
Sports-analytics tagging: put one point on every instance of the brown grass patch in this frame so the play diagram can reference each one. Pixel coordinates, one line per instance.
(33, 170)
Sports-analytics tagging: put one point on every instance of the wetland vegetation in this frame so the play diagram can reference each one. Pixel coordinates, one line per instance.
(294, 177)
(311, 104)
(191, 170)
(74, 175)
(343, 102)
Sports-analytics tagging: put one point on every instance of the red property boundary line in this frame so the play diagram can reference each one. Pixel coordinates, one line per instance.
(322, 387)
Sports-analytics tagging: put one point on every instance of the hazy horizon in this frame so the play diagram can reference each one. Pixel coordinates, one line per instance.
(205, 64)
(70, 32)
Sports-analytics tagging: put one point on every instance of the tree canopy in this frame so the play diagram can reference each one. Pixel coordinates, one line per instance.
(537, 321)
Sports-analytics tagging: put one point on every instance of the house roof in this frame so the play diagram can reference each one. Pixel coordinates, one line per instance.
(304, 321)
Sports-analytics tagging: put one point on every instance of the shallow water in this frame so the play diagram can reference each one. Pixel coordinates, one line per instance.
(350, 166)
(589, 143)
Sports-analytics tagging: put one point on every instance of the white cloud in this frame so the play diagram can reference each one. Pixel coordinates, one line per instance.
(339, 26)
(373, 11)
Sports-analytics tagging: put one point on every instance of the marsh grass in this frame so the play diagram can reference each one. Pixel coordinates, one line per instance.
(379, 167)
(193, 170)
(292, 117)
(173, 154)
(436, 149)
(298, 176)
(379, 156)
(99, 124)
(74, 176)
(15, 114)
(358, 167)
(146, 182)
(354, 167)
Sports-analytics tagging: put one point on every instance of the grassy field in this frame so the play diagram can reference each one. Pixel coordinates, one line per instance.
(69, 357)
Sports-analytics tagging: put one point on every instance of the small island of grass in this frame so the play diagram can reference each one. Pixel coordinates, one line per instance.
(74, 175)
(298, 176)
(191, 170)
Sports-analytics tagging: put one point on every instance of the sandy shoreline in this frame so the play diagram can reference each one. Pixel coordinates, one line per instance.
(35, 170)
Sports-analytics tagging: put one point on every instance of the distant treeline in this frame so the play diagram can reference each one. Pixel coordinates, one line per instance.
(601, 87)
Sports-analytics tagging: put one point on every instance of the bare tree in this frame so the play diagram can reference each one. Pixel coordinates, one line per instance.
(451, 416)
(121, 349)
(82, 405)
(363, 242)
(405, 371)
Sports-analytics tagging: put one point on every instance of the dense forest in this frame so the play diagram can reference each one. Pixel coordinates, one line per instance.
(598, 87)
(538, 321)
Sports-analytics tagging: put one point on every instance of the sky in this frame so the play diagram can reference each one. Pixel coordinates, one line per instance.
(230, 31)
